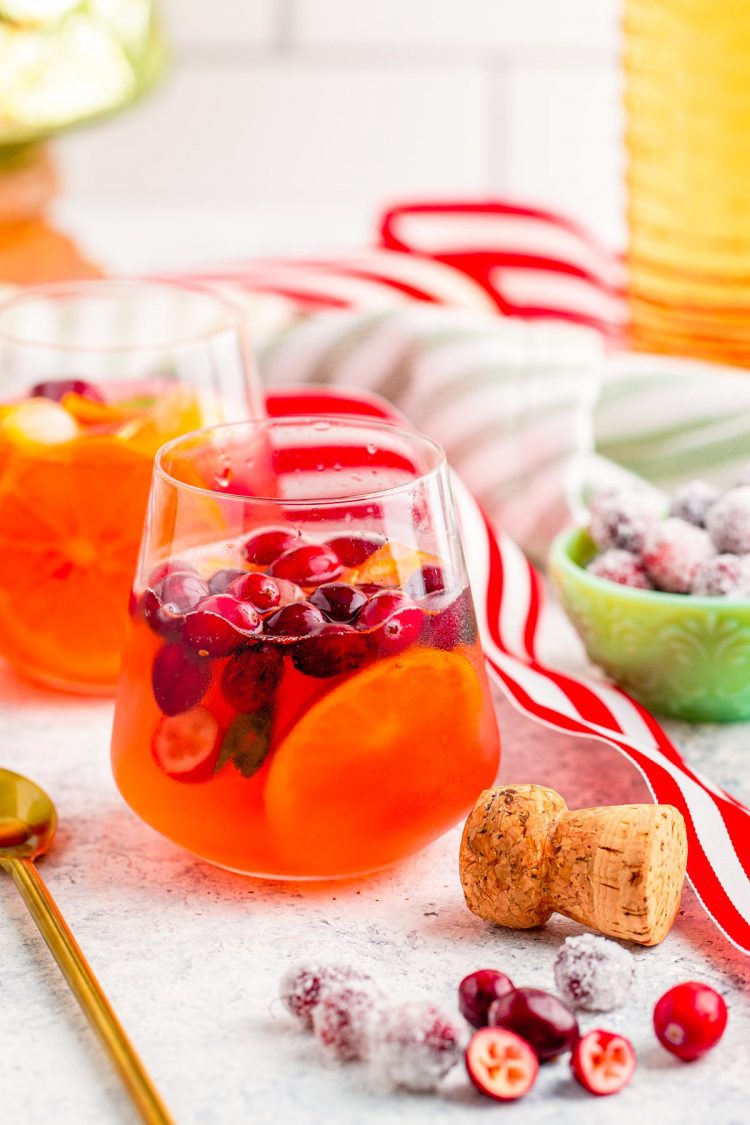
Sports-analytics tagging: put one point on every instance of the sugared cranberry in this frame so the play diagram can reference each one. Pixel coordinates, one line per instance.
(301, 987)
(672, 553)
(622, 519)
(165, 605)
(308, 565)
(162, 570)
(622, 567)
(602, 1062)
(338, 601)
(57, 388)
(414, 1045)
(548, 1025)
(728, 521)
(353, 550)
(258, 589)
(219, 625)
(692, 501)
(392, 620)
(723, 576)
(478, 991)
(264, 547)
(501, 1064)
(178, 679)
(299, 619)
(251, 677)
(221, 580)
(690, 1019)
(593, 973)
(449, 621)
(336, 648)
(341, 1019)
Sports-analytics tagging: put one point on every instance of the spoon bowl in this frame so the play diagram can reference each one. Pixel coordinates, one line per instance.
(27, 818)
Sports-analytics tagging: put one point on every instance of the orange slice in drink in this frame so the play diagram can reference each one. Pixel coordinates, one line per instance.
(90, 412)
(393, 564)
(70, 524)
(381, 765)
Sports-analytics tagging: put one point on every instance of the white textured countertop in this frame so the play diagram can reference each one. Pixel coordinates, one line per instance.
(191, 956)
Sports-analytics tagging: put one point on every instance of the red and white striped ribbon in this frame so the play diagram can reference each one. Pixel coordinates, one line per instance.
(508, 595)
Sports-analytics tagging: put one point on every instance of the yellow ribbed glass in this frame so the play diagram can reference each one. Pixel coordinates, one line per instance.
(687, 134)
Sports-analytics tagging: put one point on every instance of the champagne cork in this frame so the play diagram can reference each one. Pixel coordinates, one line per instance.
(618, 869)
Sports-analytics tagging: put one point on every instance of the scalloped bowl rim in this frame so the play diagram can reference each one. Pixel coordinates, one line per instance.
(560, 555)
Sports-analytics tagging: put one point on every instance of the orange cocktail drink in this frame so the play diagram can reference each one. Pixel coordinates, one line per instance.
(96, 377)
(303, 693)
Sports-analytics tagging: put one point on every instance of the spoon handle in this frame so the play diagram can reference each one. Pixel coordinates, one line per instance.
(79, 975)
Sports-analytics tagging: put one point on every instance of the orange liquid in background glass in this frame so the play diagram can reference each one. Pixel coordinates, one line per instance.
(296, 759)
(74, 482)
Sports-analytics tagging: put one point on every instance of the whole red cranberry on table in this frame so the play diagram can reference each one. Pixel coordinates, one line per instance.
(543, 1020)
(603, 1062)
(478, 991)
(690, 1019)
(501, 1064)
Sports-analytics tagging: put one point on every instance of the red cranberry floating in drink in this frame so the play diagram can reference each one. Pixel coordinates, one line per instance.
(690, 1019)
(264, 547)
(393, 621)
(603, 1062)
(221, 580)
(299, 619)
(186, 746)
(261, 591)
(301, 987)
(336, 648)
(501, 1064)
(162, 570)
(251, 677)
(338, 601)
(308, 565)
(353, 550)
(219, 625)
(178, 679)
(478, 991)
(540, 1018)
(55, 389)
(165, 606)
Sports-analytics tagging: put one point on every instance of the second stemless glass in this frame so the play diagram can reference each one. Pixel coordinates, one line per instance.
(94, 377)
(303, 692)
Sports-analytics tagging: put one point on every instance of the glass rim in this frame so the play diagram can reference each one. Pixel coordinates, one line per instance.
(414, 437)
(90, 286)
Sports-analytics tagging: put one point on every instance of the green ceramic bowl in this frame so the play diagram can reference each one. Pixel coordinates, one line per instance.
(679, 655)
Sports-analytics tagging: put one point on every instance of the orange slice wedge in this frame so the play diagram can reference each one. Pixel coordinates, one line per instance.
(393, 564)
(70, 526)
(382, 764)
(89, 412)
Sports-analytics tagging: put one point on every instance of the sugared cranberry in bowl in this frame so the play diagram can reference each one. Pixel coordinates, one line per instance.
(543, 1020)
(478, 991)
(690, 1019)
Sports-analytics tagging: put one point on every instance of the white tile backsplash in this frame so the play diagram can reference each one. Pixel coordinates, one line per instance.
(303, 105)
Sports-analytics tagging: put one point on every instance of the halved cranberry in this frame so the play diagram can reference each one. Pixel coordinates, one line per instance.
(298, 619)
(353, 550)
(449, 621)
(264, 547)
(548, 1025)
(336, 648)
(179, 681)
(219, 625)
(56, 388)
(165, 605)
(221, 580)
(308, 565)
(501, 1064)
(393, 621)
(338, 601)
(258, 589)
(251, 676)
(162, 570)
(603, 1062)
(478, 991)
(187, 746)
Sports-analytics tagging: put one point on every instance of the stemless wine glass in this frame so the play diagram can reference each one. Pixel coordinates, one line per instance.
(94, 377)
(303, 693)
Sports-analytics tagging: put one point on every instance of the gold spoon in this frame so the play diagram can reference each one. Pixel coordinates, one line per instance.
(27, 824)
